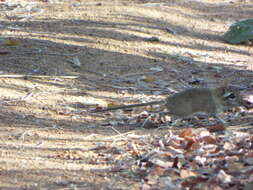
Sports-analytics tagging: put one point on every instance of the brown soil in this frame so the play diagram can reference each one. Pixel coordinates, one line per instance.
(47, 138)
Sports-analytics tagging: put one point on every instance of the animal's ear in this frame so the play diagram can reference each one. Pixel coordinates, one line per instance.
(225, 87)
(225, 83)
(222, 90)
(225, 92)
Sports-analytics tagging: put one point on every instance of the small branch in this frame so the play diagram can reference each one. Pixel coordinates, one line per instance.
(119, 133)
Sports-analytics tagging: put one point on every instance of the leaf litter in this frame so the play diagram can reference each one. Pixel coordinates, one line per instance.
(189, 159)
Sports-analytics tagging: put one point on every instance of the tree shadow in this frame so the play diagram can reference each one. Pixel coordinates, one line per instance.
(52, 179)
(227, 11)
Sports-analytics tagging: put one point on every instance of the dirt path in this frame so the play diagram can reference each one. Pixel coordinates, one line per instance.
(90, 51)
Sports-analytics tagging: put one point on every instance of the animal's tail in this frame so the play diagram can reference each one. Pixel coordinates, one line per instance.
(130, 106)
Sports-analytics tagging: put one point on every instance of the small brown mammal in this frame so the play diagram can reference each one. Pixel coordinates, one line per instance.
(195, 100)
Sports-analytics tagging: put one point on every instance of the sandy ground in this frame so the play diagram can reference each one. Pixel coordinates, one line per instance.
(84, 54)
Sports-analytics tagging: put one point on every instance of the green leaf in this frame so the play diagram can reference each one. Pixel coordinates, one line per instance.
(240, 32)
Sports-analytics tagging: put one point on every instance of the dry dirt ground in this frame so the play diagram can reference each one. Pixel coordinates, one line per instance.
(88, 53)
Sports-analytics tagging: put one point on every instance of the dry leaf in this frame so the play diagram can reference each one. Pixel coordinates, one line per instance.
(207, 186)
(210, 148)
(11, 42)
(113, 105)
(192, 144)
(200, 160)
(216, 128)
(98, 108)
(193, 181)
(250, 154)
(234, 166)
(146, 187)
(174, 151)
(248, 170)
(208, 140)
(157, 69)
(176, 143)
(204, 132)
(225, 178)
(161, 163)
(132, 148)
(148, 79)
(186, 173)
(167, 183)
(157, 171)
(186, 133)
(228, 146)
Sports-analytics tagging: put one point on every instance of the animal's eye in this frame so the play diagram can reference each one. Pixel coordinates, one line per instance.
(227, 94)
(231, 96)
